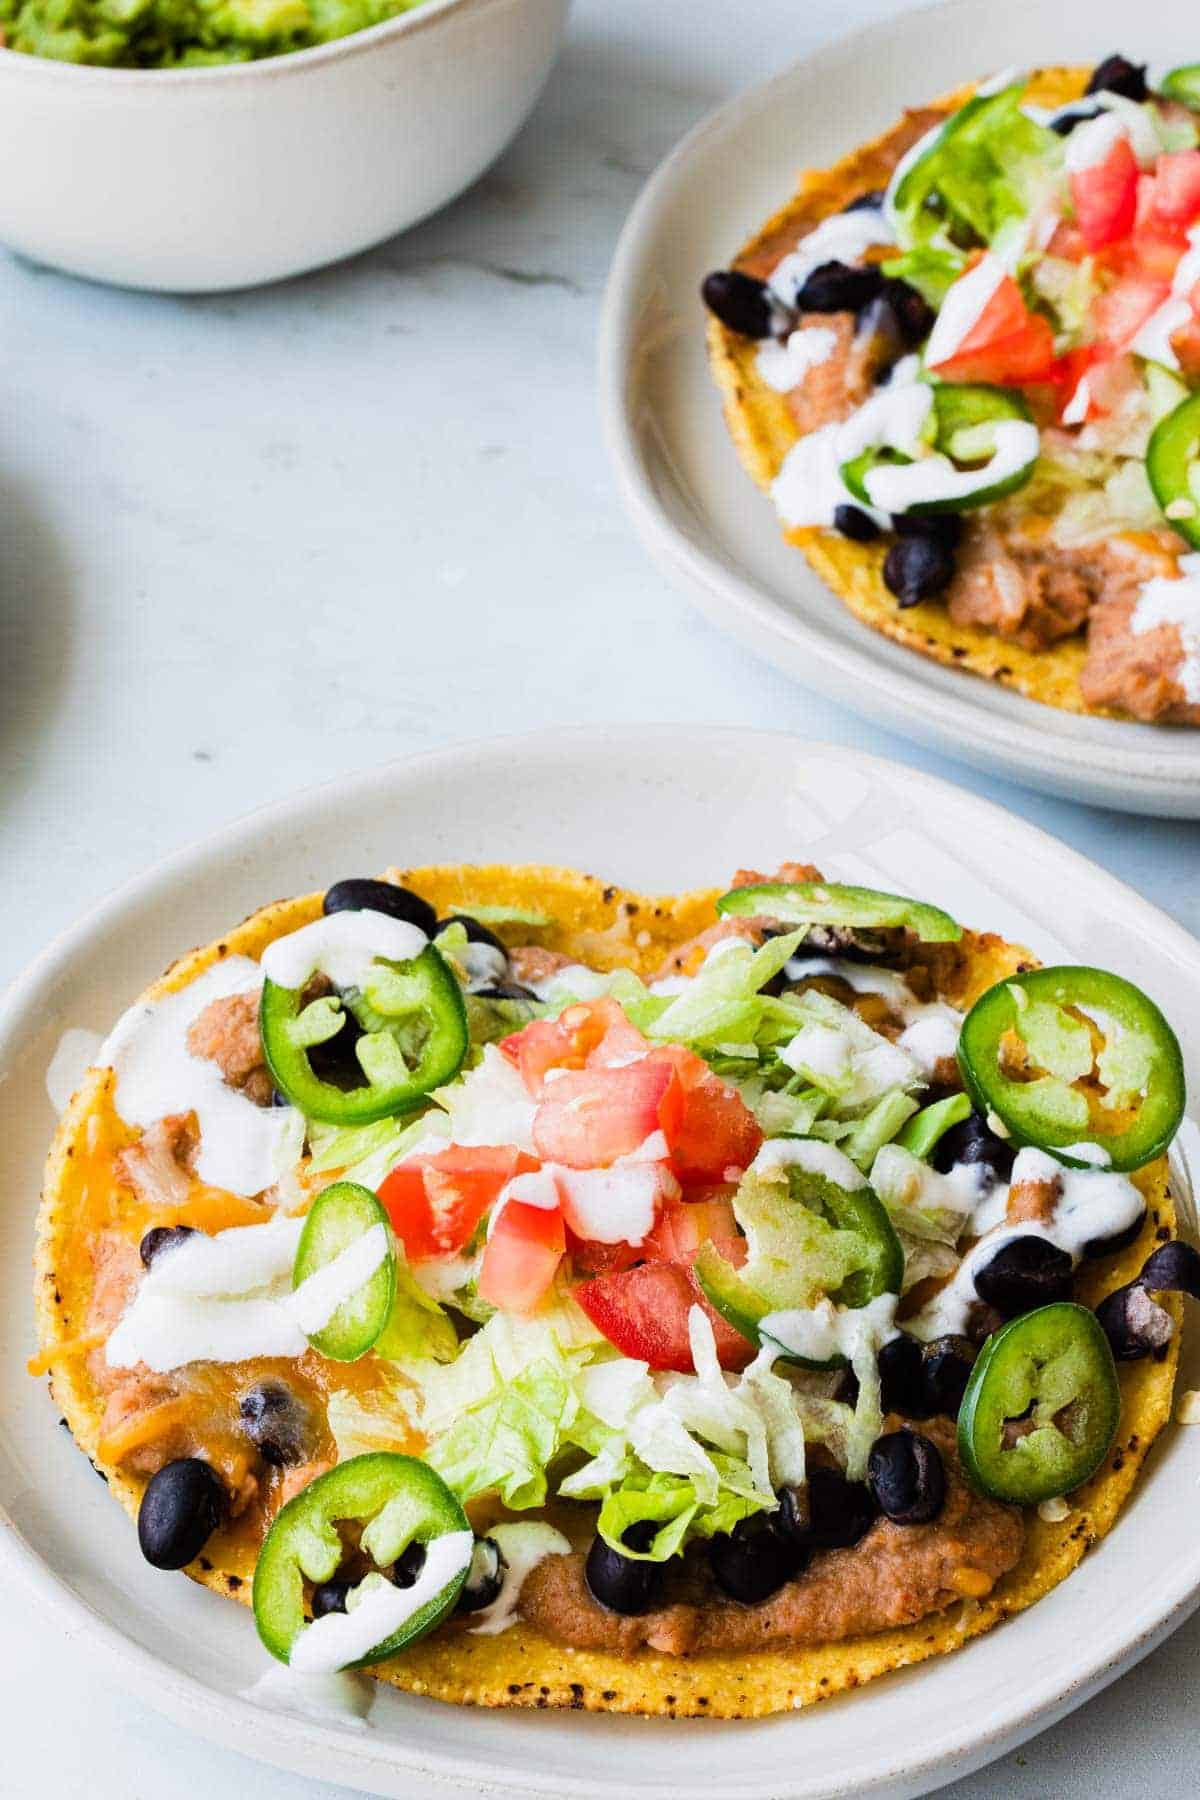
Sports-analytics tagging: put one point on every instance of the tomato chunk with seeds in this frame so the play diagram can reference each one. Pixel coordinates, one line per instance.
(436, 1202)
(590, 1117)
(522, 1255)
(644, 1312)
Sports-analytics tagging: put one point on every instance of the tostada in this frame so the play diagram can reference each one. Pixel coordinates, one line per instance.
(965, 363)
(538, 1294)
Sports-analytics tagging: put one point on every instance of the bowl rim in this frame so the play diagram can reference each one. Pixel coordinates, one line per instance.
(422, 17)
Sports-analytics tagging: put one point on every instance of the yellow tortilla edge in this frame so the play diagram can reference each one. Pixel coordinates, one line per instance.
(613, 927)
(763, 431)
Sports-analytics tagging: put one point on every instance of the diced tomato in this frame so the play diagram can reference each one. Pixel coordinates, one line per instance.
(1106, 196)
(684, 1225)
(594, 1258)
(521, 1256)
(1177, 186)
(1122, 310)
(717, 1131)
(590, 1117)
(1006, 344)
(644, 1312)
(435, 1202)
(595, 1033)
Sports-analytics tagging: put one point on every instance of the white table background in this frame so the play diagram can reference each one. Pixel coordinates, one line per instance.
(251, 542)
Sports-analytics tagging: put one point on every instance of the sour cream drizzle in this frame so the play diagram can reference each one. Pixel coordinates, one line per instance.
(966, 299)
(522, 1547)
(826, 1330)
(1092, 1203)
(1162, 601)
(211, 1299)
(377, 1609)
(784, 366)
(844, 238)
(342, 945)
(930, 1028)
(809, 487)
(156, 1074)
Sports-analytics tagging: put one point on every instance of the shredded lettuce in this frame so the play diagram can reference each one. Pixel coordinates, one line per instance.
(931, 271)
(417, 1327)
(367, 1153)
(989, 166)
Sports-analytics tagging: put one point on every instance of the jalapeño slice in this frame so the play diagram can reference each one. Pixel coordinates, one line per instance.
(1140, 1066)
(339, 1217)
(1041, 1407)
(809, 1239)
(415, 1038)
(965, 416)
(1173, 466)
(834, 903)
(388, 1501)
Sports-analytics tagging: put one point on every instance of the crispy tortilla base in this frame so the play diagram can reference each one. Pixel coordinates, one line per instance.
(764, 430)
(609, 927)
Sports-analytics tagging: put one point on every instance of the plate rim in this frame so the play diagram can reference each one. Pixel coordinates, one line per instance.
(1113, 769)
(282, 1738)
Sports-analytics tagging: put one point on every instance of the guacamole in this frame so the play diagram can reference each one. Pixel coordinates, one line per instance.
(176, 34)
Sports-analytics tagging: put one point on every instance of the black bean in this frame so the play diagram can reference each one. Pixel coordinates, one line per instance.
(973, 1141)
(1025, 1273)
(1134, 1324)
(939, 528)
(1066, 122)
(505, 990)
(361, 894)
(944, 1375)
(838, 940)
(868, 202)
(620, 1583)
(1173, 1268)
(162, 1237)
(886, 343)
(913, 313)
(905, 1474)
(408, 1565)
(827, 1513)
(839, 287)
(1117, 75)
(278, 1424)
(900, 1363)
(916, 569)
(278, 1099)
(329, 1597)
(1120, 1240)
(181, 1508)
(742, 303)
(485, 1577)
(754, 1560)
(854, 523)
(476, 933)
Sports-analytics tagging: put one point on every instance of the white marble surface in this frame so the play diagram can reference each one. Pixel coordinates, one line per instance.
(251, 542)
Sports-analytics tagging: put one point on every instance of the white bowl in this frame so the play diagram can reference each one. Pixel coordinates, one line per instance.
(660, 809)
(190, 180)
(693, 506)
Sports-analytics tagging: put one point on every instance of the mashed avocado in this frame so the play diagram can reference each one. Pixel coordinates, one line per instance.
(170, 34)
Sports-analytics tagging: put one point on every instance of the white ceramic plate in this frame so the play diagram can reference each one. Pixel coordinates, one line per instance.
(691, 503)
(660, 809)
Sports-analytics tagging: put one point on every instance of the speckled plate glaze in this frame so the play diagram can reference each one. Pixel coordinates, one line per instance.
(693, 506)
(658, 809)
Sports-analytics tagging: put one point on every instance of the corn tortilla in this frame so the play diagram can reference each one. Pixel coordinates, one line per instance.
(608, 927)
